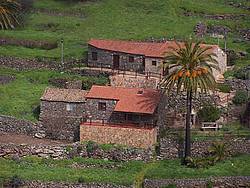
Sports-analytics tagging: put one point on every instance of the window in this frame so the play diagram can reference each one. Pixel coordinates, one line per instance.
(131, 59)
(94, 56)
(102, 106)
(70, 107)
(153, 63)
(133, 117)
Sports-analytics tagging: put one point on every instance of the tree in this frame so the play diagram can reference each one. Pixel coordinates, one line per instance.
(190, 70)
(9, 10)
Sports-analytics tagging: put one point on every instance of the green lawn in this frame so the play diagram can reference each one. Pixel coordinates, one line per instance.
(32, 168)
(20, 97)
(234, 129)
(123, 19)
(237, 166)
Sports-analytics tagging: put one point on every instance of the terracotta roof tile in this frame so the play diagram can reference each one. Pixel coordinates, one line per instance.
(128, 99)
(148, 49)
(64, 95)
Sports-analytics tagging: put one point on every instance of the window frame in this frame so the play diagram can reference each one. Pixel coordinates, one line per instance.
(131, 59)
(154, 63)
(70, 107)
(94, 56)
(102, 106)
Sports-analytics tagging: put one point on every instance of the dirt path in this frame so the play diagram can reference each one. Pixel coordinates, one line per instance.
(7, 138)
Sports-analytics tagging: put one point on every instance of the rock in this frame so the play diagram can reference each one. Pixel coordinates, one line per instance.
(40, 135)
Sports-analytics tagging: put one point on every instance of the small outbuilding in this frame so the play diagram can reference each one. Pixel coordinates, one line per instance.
(62, 111)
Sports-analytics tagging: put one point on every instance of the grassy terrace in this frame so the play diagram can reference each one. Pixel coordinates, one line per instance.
(20, 97)
(124, 19)
(31, 168)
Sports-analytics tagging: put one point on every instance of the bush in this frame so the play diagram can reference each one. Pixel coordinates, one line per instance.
(91, 147)
(81, 179)
(26, 4)
(218, 150)
(243, 73)
(15, 181)
(200, 162)
(209, 113)
(225, 88)
(240, 97)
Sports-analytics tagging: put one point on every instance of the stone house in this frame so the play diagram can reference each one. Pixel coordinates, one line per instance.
(141, 57)
(126, 116)
(62, 111)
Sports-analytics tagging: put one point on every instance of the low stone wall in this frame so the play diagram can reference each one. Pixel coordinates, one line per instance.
(171, 149)
(27, 64)
(130, 136)
(220, 182)
(12, 125)
(45, 45)
(35, 184)
(66, 151)
(31, 64)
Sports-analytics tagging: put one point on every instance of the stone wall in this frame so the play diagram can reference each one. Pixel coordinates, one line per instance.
(149, 67)
(105, 60)
(96, 114)
(74, 150)
(220, 182)
(222, 60)
(35, 184)
(60, 123)
(27, 64)
(13, 125)
(131, 81)
(134, 137)
(31, 64)
(171, 148)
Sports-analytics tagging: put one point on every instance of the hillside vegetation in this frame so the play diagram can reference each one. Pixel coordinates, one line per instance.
(76, 23)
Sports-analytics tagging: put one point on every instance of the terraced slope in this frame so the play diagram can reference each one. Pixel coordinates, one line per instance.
(76, 23)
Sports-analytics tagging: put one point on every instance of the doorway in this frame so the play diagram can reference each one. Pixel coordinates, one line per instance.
(116, 61)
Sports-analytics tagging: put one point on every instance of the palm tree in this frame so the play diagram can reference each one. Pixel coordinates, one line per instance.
(190, 70)
(9, 10)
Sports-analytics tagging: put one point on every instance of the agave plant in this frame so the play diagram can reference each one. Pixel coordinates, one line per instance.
(218, 149)
(9, 10)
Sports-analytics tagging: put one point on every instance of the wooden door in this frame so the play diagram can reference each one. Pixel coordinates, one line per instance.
(116, 61)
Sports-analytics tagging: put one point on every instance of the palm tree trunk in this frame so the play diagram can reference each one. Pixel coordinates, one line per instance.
(188, 122)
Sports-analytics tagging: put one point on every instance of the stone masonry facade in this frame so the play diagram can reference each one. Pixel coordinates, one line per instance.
(133, 137)
(141, 63)
(61, 123)
(105, 60)
(98, 115)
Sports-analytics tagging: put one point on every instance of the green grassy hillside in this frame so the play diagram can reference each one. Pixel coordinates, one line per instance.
(52, 20)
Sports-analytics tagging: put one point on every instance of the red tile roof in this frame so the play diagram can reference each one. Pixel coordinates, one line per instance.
(128, 99)
(148, 49)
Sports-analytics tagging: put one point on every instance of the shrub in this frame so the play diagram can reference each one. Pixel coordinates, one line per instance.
(91, 147)
(209, 113)
(15, 181)
(200, 162)
(218, 150)
(225, 88)
(81, 179)
(243, 73)
(26, 4)
(240, 97)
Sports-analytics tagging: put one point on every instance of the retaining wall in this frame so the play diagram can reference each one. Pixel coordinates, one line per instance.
(130, 136)
(220, 182)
